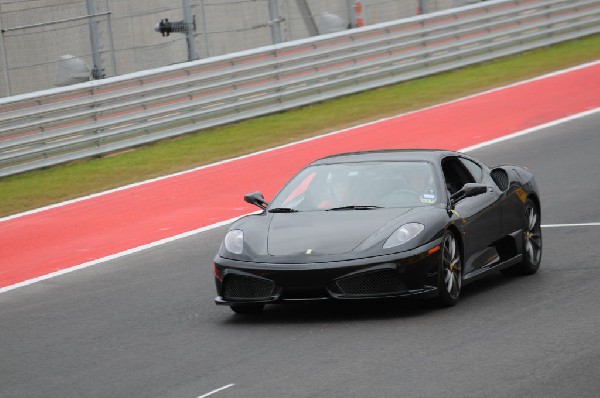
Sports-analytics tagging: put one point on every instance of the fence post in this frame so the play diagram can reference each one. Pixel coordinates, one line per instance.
(204, 30)
(275, 21)
(356, 13)
(4, 57)
(110, 39)
(98, 70)
(188, 20)
(307, 17)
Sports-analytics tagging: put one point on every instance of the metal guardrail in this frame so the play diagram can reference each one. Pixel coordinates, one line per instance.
(91, 119)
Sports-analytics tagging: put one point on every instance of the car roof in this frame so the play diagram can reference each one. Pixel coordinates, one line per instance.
(431, 155)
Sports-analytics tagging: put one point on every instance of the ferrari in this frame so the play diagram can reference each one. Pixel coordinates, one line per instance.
(381, 224)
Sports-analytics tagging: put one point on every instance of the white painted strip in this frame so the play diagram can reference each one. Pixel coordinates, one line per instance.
(589, 224)
(531, 130)
(583, 66)
(222, 223)
(217, 390)
(117, 255)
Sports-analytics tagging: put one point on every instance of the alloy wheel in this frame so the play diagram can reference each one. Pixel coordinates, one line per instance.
(452, 267)
(533, 236)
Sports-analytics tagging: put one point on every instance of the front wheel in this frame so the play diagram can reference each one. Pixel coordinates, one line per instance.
(450, 272)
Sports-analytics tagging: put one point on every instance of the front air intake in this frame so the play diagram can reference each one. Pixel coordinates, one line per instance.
(373, 283)
(239, 287)
(500, 177)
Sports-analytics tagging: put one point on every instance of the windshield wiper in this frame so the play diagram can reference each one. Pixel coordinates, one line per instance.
(282, 210)
(355, 207)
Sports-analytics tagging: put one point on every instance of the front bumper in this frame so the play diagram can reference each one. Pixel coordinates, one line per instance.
(410, 273)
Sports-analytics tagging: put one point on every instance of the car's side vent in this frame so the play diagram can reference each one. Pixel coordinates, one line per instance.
(500, 177)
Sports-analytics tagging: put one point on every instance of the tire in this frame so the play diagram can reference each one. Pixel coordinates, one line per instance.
(532, 242)
(245, 309)
(450, 272)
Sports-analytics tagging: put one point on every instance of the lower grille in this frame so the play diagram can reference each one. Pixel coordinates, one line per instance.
(379, 282)
(237, 287)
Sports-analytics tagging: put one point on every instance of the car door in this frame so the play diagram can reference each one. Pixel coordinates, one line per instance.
(481, 214)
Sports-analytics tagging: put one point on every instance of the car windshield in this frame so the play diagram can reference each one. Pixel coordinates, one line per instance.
(358, 186)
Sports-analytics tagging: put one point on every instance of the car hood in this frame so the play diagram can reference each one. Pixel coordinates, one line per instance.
(326, 232)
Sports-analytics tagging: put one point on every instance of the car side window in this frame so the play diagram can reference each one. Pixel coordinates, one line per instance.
(473, 168)
(456, 174)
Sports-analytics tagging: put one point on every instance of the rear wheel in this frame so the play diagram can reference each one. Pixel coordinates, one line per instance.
(450, 272)
(247, 308)
(532, 242)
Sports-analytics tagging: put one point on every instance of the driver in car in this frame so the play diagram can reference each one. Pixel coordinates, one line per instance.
(421, 183)
(338, 191)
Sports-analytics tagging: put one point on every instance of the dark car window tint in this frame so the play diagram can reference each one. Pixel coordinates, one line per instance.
(473, 168)
(455, 174)
(360, 184)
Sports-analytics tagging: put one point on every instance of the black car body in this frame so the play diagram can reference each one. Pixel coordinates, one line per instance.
(390, 223)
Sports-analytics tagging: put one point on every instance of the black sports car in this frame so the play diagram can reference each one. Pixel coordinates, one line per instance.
(390, 223)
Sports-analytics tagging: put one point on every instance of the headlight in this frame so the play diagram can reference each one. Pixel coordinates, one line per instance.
(404, 234)
(234, 241)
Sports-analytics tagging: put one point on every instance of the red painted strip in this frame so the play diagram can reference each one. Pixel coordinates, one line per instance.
(40, 243)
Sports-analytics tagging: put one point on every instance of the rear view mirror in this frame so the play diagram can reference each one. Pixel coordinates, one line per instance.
(256, 199)
(468, 190)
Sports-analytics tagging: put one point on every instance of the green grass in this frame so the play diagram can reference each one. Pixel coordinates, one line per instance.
(43, 187)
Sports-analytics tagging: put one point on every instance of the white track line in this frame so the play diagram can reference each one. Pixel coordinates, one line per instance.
(531, 130)
(217, 390)
(588, 224)
(117, 255)
(223, 223)
(583, 66)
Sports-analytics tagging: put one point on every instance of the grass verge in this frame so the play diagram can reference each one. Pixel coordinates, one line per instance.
(43, 187)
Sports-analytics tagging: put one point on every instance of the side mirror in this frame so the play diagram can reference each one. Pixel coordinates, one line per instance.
(468, 190)
(256, 199)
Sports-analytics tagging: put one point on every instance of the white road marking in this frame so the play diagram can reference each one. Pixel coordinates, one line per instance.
(117, 255)
(222, 223)
(217, 390)
(560, 72)
(530, 130)
(588, 224)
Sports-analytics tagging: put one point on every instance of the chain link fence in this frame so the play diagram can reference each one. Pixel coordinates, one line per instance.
(53, 43)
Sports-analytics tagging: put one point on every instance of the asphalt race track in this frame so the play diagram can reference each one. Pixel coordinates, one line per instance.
(145, 325)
